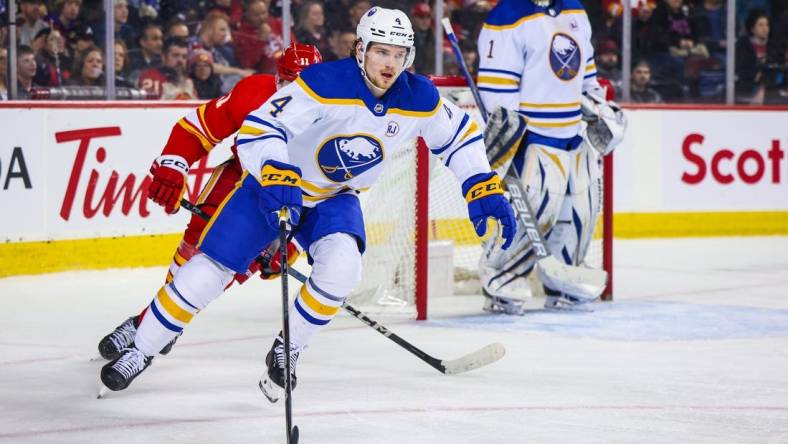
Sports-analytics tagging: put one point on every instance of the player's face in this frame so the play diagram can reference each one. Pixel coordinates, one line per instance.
(383, 63)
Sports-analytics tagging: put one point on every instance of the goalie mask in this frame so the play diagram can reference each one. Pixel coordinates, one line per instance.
(389, 26)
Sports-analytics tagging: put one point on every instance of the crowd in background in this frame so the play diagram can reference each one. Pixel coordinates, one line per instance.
(199, 49)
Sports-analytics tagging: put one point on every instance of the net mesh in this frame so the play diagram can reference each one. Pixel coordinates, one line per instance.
(389, 276)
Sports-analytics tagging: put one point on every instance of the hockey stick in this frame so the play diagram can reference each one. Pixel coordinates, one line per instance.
(292, 431)
(479, 358)
(567, 277)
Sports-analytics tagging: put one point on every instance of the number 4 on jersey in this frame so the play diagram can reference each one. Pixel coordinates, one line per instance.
(279, 105)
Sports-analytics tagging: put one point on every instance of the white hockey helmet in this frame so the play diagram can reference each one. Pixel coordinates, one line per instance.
(389, 26)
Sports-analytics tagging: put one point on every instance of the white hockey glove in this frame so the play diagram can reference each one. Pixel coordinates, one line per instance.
(607, 123)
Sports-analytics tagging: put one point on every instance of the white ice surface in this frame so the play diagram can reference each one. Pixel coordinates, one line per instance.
(694, 349)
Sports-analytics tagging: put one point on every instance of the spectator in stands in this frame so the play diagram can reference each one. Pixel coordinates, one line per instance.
(357, 10)
(212, 37)
(66, 15)
(149, 53)
(207, 84)
(177, 29)
(423, 38)
(641, 90)
(3, 71)
(30, 13)
(231, 8)
(310, 29)
(123, 30)
(251, 39)
(709, 20)
(25, 71)
(341, 42)
(121, 65)
(170, 81)
(52, 61)
(752, 55)
(81, 38)
(88, 68)
(607, 63)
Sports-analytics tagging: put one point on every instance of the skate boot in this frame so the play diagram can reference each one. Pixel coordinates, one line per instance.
(118, 374)
(556, 300)
(502, 304)
(272, 383)
(122, 337)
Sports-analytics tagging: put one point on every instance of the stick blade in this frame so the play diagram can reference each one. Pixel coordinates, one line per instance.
(480, 358)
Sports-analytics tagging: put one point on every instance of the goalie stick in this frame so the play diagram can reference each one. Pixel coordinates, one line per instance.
(479, 358)
(568, 278)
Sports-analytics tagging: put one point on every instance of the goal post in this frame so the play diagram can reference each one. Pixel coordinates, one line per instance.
(420, 243)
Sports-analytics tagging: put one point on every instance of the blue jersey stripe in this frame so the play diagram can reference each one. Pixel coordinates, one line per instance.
(551, 114)
(267, 136)
(465, 119)
(498, 90)
(167, 324)
(461, 147)
(180, 296)
(263, 122)
(502, 71)
(588, 76)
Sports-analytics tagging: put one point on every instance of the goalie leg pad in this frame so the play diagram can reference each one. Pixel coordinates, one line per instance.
(545, 176)
(197, 283)
(336, 271)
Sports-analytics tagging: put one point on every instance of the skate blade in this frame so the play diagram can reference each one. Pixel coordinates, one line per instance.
(577, 308)
(271, 391)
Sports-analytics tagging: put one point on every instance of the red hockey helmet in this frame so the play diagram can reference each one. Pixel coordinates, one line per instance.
(296, 57)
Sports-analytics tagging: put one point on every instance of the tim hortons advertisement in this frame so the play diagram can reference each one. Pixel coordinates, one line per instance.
(83, 172)
(703, 160)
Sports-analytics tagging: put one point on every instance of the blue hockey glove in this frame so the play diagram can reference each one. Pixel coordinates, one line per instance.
(281, 187)
(484, 194)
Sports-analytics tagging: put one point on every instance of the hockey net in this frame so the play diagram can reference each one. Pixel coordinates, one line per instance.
(416, 218)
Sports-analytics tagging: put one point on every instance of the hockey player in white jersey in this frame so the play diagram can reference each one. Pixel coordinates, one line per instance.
(312, 148)
(536, 58)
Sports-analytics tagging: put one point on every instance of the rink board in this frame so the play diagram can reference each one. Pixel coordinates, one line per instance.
(73, 180)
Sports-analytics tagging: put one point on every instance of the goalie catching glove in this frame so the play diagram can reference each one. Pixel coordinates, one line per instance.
(606, 122)
(281, 187)
(169, 181)
(484, 194)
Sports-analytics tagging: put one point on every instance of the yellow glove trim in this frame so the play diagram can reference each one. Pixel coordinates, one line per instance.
(488, 187)
(270, 175)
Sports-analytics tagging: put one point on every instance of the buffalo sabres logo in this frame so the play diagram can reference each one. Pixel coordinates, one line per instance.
(564, 57)
(343, 157)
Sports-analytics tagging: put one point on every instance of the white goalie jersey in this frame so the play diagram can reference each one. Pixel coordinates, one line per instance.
(330, 125)
(538, 61)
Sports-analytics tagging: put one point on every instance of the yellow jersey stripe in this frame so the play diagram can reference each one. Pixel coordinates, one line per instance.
(185, 124)
(474, 127)
(320, 99)
(250, 130)
(206, 190)
(221, 207)
(549, 105)
(315, 305)
(591, 67)
(172, 308)
(312, 188)
(497, 80)
(201, 116)
(531, 122)
(515, 24)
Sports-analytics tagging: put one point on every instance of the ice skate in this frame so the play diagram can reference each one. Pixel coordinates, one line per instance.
(122, 337)
(273, 382)
(502, 304)
(558, 301)
(118, 374)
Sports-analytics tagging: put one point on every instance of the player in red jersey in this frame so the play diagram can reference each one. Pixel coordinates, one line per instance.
(191, 139)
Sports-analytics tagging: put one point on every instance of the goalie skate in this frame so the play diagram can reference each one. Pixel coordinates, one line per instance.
(501, 304)
(566, 302)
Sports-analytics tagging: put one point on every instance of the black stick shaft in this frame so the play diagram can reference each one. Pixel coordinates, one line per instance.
(286, 328)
